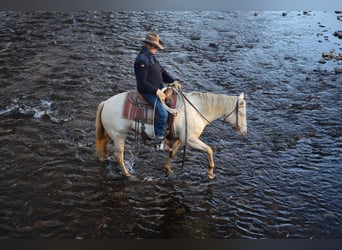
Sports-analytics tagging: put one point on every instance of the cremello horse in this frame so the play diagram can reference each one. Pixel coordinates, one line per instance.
(200, 110)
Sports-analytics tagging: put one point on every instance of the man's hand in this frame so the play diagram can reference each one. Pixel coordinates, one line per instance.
(161, 95)
(176, 84)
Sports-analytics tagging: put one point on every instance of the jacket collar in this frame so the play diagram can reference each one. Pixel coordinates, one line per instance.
(149, 55)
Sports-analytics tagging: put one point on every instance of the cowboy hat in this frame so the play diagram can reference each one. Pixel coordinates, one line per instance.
(153, 39)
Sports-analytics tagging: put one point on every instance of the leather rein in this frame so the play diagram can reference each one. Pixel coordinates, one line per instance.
(236, 110)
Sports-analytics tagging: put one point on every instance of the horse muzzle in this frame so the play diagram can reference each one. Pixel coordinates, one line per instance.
(241, 132)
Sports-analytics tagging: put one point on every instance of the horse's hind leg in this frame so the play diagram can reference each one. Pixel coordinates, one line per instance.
(102, 147)
(105, 146)
(119, 147)
(175, 147)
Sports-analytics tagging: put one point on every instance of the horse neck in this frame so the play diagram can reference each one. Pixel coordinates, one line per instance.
(214, 106)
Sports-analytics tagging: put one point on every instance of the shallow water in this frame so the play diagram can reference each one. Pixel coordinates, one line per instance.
(282, 180)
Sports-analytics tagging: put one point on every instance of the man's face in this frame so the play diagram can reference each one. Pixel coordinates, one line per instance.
(153, 49)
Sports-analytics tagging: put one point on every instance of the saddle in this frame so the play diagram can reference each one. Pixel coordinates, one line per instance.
(136, 108)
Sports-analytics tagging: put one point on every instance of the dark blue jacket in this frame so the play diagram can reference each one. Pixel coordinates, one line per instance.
(149, 73)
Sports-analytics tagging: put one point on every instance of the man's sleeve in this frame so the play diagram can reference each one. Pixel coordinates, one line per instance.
(167, 78)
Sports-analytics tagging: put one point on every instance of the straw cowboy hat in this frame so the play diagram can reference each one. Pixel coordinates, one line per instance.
(153, 39)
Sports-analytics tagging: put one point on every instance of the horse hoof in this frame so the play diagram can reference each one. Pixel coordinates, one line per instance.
(211, 176)
(170, 173)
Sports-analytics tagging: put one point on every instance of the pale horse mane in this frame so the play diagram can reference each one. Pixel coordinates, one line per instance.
(212, 105)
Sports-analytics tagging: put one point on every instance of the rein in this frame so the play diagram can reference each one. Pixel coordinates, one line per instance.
(236, 108)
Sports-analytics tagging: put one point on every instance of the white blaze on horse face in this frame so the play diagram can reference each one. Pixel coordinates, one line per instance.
(242, 116)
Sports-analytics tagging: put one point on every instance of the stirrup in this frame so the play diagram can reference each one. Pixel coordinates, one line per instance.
(159, 143)
(161, 146)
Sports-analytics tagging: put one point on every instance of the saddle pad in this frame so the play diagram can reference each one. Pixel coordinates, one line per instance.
(137, 109)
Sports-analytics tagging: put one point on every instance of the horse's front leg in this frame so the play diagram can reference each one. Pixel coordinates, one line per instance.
(119, 147)
(172, 154)
(198, 144)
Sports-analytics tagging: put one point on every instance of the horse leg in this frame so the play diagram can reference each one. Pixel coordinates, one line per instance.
(198, 144)
(105, 146)
(175, 147)
(102, 147)
(119, 147)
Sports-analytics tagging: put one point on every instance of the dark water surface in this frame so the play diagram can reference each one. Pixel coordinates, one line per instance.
(282, 180)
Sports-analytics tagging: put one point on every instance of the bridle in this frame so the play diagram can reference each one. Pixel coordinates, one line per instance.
(236, 110)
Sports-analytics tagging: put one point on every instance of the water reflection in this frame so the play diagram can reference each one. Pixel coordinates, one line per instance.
(280, 181)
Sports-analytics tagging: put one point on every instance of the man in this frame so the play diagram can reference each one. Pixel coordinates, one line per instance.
(150, 76)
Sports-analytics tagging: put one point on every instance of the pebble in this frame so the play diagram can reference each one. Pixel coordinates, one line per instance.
(322, 61)
(195, 37)
(338, 70)
(213, 45)
(331, 55)
(338, 34)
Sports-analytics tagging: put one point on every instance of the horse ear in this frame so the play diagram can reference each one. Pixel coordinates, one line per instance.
(241, 96)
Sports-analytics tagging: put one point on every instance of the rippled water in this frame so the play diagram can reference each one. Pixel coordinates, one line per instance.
(282, 180)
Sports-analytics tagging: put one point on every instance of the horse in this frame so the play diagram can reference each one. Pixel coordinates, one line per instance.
(199, 110)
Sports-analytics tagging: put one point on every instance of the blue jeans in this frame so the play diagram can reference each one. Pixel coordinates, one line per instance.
(161, 112)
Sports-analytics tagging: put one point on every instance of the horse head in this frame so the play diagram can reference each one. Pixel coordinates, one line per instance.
(238, 117)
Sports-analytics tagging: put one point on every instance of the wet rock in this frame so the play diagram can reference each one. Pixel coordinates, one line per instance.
(213, 45)
(327, 54)
(339, 18)
(338, 11)
(194, 37)
(338, 70)
(331, 55)
(338, 34)
(284, 14)
(255, 14)
(322, 61)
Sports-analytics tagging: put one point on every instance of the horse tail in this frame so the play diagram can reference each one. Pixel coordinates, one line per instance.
(101, 135)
